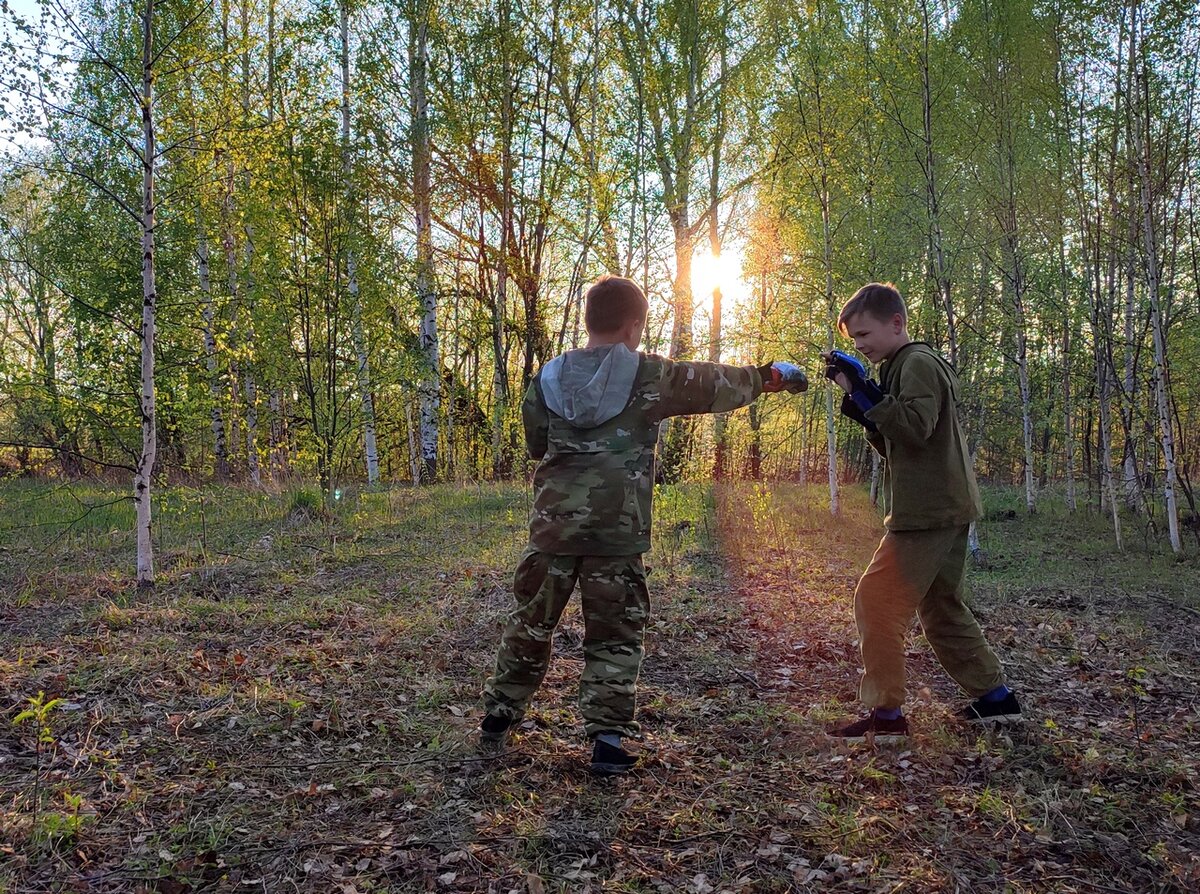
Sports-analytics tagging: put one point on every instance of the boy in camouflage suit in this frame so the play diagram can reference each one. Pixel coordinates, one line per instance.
(911, 418)
(592, 417)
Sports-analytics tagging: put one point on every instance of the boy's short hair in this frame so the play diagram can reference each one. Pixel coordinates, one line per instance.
(611, 302)
(879, 299)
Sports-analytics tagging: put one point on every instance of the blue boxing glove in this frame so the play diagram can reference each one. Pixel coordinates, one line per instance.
(851, 411)
(864, 391)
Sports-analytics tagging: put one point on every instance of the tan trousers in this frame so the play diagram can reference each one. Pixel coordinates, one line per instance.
(919, 572)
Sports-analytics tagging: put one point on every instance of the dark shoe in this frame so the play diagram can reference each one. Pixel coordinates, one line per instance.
(872, 728)
(610, 760)
(493, 731)
(1003, 712)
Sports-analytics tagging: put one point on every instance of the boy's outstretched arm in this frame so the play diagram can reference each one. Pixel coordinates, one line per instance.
(690, 387)
(536, 420)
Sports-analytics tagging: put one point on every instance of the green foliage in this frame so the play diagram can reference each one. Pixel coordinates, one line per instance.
(973, 153)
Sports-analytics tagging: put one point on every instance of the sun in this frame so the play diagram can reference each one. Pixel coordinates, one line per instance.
(723, 271)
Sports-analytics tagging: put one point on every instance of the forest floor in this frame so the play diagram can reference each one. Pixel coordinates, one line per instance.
(293, 708)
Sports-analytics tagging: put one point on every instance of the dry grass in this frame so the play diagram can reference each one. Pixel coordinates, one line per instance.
(293, 709)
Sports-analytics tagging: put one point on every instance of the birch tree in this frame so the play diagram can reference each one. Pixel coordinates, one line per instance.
(1142, 150)
(363, 367)
(430, 388)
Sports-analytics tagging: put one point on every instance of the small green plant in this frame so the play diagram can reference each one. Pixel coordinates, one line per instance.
(55, 827)
(38, 716)
(305, 505)
(992, 804)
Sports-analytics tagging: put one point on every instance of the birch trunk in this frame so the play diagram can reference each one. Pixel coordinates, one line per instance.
(714, 247)
(220, 450)
(276, 442)
(876, 468)
(1026, 395)
(682, 339)
(1102, 310)
(145, 464)
(1108, 488)
(363, 368)
(1068, 420)
(1161, 384)
(249, 382)
(1015, 277)
(932, 199)
(1131, 481)
(229, 246)
(430, 388)
(830, 411)
(500, 304)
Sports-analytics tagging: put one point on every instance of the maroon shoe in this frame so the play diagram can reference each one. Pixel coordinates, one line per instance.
(872, 728)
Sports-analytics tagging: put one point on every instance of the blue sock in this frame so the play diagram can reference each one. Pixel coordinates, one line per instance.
(888, 713)
(999, 694)
(610, 739)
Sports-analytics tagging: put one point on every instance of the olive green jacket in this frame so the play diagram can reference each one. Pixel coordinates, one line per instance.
(928, 481)
(594, 486)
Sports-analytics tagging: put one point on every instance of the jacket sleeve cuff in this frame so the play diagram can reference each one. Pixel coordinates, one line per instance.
(756, 380)
(882, 412)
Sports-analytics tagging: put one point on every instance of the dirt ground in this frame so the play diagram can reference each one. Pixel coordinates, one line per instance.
(293, 709)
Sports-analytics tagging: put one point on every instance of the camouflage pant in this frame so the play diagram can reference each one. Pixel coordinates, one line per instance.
(616, 605)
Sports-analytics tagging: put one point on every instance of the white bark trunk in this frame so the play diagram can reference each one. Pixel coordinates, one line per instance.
(362, 355)
(249, 383)
(145, 465)
(500, 304)
(1108, 488)
(1015, 281)
(876, 467)
(1101, 311)
(830, 411)
(220, 450)
(1068, 421)
(932, 199)
(276, 450)
(1161, 385)
(1026, 406)
(714, 247)
(1131, 480)
(229, 247)
(414, 455)
(430, 388)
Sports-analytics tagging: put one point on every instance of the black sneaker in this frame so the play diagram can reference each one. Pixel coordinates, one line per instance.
(1003, 712)
(610, 760)
(493, 731)
(872, 728)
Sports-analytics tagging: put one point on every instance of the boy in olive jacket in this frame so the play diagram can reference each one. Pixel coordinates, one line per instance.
(591, 417)
(911, 418)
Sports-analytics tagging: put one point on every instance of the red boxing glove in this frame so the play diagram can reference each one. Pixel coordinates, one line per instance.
(783, 376)
(772, 379)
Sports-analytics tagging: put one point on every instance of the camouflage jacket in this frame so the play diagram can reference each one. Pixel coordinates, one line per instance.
(592, 417)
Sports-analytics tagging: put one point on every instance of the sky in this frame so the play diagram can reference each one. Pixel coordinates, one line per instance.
(28, 10)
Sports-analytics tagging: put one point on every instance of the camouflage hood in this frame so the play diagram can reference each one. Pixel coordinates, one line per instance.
(589, 386)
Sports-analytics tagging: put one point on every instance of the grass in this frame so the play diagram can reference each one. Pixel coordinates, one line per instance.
(293, 707)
